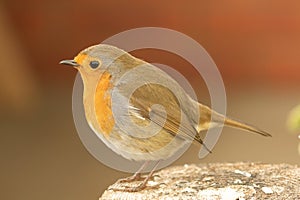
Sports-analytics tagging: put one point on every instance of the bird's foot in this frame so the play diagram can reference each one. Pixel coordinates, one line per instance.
(135, 177)
(137, 188)
(143, 185)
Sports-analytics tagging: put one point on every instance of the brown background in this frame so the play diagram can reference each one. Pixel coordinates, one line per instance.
(255, 44)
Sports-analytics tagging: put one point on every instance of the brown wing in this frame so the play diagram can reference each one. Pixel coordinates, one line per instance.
(168, 115)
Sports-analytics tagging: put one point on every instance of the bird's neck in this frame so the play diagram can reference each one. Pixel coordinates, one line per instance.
(97, 102)
(90, 85)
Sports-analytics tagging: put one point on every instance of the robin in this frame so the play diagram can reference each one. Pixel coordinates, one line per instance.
(162, 117)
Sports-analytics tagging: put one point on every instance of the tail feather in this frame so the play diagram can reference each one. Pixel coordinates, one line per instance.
(243, 126)
(207, 116)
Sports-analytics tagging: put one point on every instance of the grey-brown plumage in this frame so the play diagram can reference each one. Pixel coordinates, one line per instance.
(138, 110)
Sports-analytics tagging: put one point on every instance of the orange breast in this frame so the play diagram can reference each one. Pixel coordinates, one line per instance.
(103, 104)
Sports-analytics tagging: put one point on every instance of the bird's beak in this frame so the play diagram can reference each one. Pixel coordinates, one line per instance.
(69, 62)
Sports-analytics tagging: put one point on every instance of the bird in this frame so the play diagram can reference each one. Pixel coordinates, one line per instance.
(139, 111)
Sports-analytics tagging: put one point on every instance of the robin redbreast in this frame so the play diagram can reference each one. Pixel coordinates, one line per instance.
(118, 87)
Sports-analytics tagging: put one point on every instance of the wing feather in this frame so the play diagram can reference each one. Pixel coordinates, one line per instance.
(171, 118)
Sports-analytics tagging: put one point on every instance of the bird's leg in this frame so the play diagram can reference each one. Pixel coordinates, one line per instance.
(142, 185)
(136, 176)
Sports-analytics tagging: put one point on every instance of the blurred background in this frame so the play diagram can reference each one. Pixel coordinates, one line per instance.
(255, 45)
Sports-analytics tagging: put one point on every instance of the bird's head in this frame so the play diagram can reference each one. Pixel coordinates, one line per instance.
(94, 60)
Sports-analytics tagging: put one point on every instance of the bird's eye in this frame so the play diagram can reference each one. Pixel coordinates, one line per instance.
(94, 64)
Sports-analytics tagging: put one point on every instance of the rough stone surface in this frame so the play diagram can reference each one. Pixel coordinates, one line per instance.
(218, 181)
